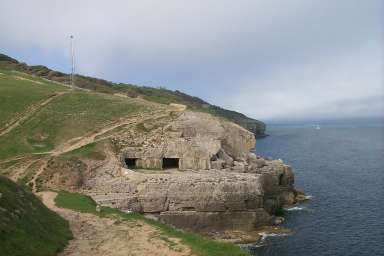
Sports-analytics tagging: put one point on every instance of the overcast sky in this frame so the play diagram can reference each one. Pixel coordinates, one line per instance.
(270, 59)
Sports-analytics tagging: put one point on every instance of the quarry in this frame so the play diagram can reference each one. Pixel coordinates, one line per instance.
(195, 172)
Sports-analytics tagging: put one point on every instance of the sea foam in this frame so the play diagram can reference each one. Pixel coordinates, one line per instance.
(295, 208)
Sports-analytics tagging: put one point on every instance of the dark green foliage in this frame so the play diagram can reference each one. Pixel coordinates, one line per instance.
(27, 227)
(4, 57)
(280, 212)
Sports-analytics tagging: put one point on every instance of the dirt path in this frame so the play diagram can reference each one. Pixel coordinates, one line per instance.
(28, 113)
(107, 237)
(37, 174)
(92, 137)
(26, 79)
(79, 142)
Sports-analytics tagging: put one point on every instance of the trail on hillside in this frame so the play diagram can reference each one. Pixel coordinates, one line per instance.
(81, 141)
(29, 80)
(42, 167)
(27, 114)
(93, 137)
(108, 237)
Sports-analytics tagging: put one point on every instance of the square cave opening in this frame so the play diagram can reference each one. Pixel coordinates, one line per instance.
(170, 163)
(130, 162)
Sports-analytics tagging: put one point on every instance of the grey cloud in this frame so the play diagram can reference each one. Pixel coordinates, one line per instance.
(268, 58)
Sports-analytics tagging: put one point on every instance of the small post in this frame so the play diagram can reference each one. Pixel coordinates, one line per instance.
(98, 209)
(72, 77)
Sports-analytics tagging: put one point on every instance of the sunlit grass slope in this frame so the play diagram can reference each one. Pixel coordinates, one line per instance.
(67, 116)
(19, 91)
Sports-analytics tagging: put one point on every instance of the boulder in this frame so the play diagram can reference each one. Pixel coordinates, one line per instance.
(278, 220)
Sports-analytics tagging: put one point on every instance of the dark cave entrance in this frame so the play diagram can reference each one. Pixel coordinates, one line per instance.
(170, 163)
(130, 162)
(281, 179)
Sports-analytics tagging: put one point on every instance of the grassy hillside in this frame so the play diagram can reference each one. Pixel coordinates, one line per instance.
(66, 116)
(159, 95)
(19, 92)
(27, 227)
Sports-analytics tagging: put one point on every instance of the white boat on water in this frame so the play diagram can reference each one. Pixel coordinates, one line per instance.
(317, 127)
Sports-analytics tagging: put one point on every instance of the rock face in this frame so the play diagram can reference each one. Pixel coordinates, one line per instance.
(215, 184)
(204, 200)
(255, 126)
(192, 141)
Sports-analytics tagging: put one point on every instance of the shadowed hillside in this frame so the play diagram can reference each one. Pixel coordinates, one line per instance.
(159, 95)
(27, 227)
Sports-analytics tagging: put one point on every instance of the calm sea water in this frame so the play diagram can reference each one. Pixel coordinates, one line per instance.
(342, 167)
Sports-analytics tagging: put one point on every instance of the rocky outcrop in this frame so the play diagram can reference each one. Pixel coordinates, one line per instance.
(255, 126)
(207, 200)
(217, 184)
(192, 139)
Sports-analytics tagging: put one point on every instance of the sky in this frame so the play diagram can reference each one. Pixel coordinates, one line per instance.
(269, 59)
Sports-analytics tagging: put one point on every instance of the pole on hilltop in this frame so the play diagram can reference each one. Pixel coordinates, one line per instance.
(72, 77)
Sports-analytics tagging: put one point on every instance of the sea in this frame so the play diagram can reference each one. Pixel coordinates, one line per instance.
(340, 166)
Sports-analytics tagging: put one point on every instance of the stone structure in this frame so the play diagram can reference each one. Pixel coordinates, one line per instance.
(219, 184)
(194, 141)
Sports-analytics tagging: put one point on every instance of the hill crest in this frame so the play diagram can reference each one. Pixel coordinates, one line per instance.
(159, 95)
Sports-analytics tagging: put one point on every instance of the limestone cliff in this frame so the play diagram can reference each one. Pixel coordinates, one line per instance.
(196, 172)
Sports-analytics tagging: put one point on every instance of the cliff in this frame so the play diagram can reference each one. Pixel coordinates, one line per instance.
(213, 184)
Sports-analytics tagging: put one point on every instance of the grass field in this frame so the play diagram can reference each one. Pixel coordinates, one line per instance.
(198, 244)
(90, 151)
(67, 116)
(16, 95)
(27, 227)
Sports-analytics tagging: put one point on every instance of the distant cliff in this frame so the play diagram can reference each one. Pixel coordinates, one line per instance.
(159, 95)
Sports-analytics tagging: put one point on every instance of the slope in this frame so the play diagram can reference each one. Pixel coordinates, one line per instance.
(52, 114)
(159, 95)
(27, 227)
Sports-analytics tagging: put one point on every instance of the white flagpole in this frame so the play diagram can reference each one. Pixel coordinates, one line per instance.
(72, 63)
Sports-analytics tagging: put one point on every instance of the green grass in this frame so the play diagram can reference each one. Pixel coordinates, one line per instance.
(17, 95)
(67, 116)
(27, 227)
(75, 201)
(159, 95)
(198, 244)
(90, 151)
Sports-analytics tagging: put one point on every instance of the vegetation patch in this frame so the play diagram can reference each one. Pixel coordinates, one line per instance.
(160, 94)
(9, 164)
(198, 244)
(27, 227)
(17, 95)
(90, 151)
(68, 116)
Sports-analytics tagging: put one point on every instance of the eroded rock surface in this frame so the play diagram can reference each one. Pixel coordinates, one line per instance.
(216, 185)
